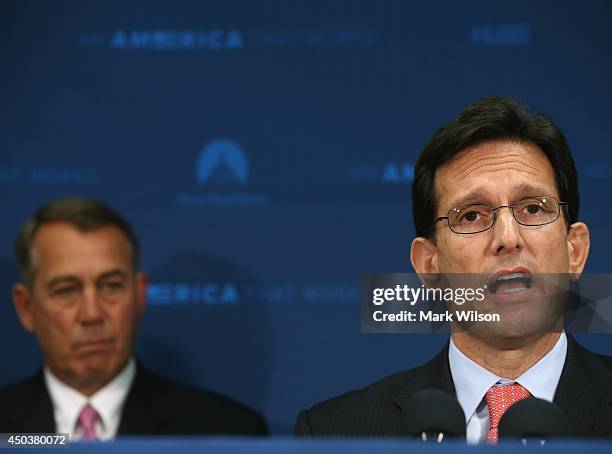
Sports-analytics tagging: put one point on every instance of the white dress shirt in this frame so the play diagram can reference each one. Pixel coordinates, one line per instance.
(107, 401)
(472, 382)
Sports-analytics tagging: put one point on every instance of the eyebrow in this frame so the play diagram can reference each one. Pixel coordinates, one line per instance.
(63, 280)
(69, 278)
(117, 272)
(476, 194)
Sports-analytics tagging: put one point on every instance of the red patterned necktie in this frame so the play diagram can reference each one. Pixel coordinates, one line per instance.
(499, 399)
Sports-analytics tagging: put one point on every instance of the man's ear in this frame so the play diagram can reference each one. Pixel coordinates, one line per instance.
(424, 256)
(22, 300)
(578, 244)
(141, 292)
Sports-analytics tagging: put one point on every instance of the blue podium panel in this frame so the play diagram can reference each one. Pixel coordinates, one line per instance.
(324, 446)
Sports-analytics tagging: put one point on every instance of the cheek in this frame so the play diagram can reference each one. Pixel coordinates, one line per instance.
(123, 318)
(55, 328)
(550, 250)
(460, 256)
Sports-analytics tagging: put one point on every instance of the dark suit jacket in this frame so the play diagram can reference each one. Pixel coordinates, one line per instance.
(154, 406)
(584, 394)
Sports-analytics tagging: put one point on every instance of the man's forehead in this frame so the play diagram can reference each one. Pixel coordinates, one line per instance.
(495, 171)
(50, 233)
(61, 248)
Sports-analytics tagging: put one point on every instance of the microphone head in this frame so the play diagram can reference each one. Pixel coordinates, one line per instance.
(432, 411)
(533, 418)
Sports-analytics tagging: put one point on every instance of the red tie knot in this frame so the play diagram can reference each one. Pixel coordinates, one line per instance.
(499, 398)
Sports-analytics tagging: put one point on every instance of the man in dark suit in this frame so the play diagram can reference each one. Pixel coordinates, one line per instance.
(495, 194)
(82, 297)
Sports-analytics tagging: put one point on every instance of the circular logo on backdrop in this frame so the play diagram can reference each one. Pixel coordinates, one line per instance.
(222, 176)
(222, 162)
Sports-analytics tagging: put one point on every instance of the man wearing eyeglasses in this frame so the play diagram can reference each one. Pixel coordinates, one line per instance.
(495, 194)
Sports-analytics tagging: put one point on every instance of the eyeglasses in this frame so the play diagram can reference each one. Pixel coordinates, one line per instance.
(530, 211)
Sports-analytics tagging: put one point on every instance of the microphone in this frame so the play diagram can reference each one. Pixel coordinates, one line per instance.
(533, 418)
(433, 415)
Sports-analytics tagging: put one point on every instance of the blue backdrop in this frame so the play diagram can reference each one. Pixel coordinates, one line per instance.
(264, 153)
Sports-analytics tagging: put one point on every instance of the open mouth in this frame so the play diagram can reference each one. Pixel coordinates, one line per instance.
(511, 283)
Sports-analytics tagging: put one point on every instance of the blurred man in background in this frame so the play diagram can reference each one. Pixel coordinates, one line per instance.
(82, 296)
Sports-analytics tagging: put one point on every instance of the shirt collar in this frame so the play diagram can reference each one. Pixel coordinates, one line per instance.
(107, 401)
(542, 378)
(472, 381)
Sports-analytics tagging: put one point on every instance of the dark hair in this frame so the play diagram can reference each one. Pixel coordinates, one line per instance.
(489, 119)
(85, 214)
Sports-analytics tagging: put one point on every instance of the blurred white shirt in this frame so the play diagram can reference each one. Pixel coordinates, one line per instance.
(107, 401)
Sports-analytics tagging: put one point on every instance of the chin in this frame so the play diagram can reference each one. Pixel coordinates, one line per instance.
(515, 330)
(98, 365)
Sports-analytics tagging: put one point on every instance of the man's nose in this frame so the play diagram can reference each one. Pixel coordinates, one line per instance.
(506, 232)
(91, 310)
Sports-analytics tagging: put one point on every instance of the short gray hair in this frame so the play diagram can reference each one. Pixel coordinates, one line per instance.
(83, 213)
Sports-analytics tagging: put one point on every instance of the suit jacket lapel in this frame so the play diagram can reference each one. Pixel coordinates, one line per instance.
(142, 414)
(434, 374)
(34, 411)
(584, 393)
